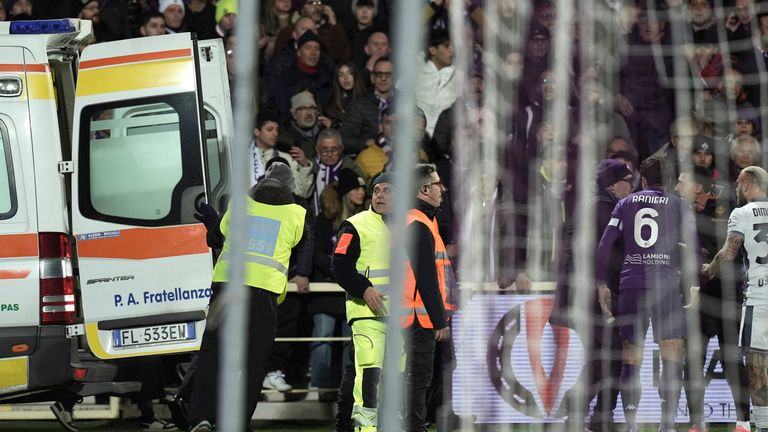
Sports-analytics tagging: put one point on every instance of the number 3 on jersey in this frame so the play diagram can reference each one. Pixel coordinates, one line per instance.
(644, 218)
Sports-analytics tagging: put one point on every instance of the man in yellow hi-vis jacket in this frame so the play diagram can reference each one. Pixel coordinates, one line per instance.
(361, 267)
(275, 225)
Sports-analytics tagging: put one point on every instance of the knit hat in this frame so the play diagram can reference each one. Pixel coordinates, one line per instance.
(371, 3)
(385, 177)
(349, 181)
(703, 143)
(224, 7)
(282, 173)
(302, 99)
(164, 4)
(308, 36)
(609, 171)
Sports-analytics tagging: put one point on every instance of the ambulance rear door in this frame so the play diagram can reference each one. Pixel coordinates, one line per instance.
(144, 266)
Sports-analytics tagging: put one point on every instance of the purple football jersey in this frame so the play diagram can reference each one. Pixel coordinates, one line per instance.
(652, 224)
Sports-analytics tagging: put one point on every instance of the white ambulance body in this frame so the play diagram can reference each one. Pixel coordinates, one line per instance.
(103, 156)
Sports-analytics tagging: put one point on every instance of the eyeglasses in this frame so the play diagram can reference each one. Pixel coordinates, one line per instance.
(382, 74)
(438, 184)
(329, 151)
(315, 3)
(306, 109)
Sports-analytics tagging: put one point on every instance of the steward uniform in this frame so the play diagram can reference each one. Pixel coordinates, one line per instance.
(428, 298)
(275, 226)
(361, 260)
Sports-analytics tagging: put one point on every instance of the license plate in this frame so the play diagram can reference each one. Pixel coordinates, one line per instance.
(153, 335)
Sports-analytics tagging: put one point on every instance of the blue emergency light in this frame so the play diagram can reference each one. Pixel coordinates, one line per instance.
(42, 27)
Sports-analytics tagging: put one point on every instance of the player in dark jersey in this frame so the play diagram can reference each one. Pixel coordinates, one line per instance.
(652, 224)
(748, 232)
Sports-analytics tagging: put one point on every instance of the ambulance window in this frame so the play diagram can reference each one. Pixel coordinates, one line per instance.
(140, 160)
(7, 184)
(215, 150)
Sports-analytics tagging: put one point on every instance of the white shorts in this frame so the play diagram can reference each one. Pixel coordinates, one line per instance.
(753, 334)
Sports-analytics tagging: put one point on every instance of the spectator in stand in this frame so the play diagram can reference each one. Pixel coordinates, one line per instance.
(331, 34)
(330, 161)
(276, 16)
(751, 58)
(18, 8)
(364, 27)
(226, 15)
(620, 144)
(282, 58)
(347, 86)
(361, 124)
(535, 62)
(646, 104)
(200, 18)
(303, 128)
(683, 133)
(3, 15)
(377, 47)
(739, 22)
(719, 106)
(701, 15)
(173, 12)
(703, 156)
(229, 48)
(374, 159)
(306, 72)
(340, 201)
(90, 11)
(153, 24)
(545, 15)
(745, 151)
(265, 132)
(435, 86)
(705, 60)
(113, 16)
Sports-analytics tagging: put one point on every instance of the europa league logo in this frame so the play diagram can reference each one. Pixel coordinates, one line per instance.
(499, 358)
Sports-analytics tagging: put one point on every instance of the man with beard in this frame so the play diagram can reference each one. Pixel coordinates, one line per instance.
(303, 128)
(748, 231)
(652, 224)
(718, 306)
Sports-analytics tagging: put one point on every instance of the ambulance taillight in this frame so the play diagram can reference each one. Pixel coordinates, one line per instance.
(57, 285)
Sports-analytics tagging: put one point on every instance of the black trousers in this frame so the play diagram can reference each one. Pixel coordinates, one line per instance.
(599, 377)
(262, 328)
(420, 360)
(346, 398)
(725, 326)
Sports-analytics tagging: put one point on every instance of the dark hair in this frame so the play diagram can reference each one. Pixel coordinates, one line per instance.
(628, 156)
(340, 99)
(422, 173)
(703, 176)
(147, 17)
(380, 60)
(265, 116)
(654, 170)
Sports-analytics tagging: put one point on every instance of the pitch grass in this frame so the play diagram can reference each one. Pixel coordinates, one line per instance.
(284, 426)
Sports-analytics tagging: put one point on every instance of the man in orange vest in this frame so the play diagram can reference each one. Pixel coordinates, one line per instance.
(427, 283)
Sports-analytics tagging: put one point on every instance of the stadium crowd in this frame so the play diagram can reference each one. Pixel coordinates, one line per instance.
(687, 87)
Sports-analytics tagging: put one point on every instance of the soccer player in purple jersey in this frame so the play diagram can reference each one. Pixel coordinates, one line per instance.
(652, 224)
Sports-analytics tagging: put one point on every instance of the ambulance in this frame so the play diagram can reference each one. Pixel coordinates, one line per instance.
(105, 150)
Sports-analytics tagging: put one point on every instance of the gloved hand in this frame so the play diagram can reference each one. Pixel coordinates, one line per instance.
(207, 215)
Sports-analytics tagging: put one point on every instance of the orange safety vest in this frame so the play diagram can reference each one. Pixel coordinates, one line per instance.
(412, 301)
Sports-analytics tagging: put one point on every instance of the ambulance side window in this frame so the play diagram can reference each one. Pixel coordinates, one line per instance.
(8, 205)
(138, 158)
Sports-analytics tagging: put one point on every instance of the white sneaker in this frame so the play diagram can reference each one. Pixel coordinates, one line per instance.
(159, 425)
(63, 416)
(275, 380)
